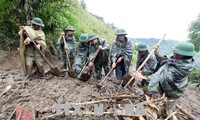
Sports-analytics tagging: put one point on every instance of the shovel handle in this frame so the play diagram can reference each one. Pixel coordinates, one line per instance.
(107, 74)
(144, 62)
(66, 51)
(82, 70)
(95, 55)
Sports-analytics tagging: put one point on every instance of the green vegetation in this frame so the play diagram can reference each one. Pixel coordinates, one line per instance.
(56, 15)
(194, 76)
(194, 33)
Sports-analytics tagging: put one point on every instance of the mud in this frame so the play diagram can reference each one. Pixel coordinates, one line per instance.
(40, 95)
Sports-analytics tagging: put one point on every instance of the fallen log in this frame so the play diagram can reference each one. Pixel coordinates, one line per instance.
(189, 115)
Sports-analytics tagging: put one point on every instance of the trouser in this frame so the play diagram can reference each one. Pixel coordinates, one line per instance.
(170, 106)
(98, 70)
(65, 60)
(120, 70)
(37, 60)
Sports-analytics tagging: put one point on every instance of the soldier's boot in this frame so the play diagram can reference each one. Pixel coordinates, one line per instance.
(29, 72)
(41, 72)
(98, 74)
(106, 70)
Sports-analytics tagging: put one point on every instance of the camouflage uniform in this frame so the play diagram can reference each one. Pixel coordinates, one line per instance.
(82, 54)
(71, 45)
(32, 55)
(149, 66)
(124, 50)
(172, 76)
(102, 59)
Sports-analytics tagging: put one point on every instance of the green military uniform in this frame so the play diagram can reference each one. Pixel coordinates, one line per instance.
(71, 46)
(124, 50)
(102, 59)
(149, 66)
(32, 55)
(172, 76)
(82, 54)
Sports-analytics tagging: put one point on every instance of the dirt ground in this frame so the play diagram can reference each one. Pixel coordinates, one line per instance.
(40, 95)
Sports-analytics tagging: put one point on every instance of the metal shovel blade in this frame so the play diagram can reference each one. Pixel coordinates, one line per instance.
(72, 74)
(126, 78)
(85, 74)
(54, 71)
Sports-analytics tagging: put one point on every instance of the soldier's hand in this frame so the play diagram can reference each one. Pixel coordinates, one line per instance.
(119, 59)
(62, 33)
(38, 46)
(91, 64)
(65, 47)
(156, 48)
(27, 41)
(101, 47)
(21, 27)
(113, 65)
(139, 75)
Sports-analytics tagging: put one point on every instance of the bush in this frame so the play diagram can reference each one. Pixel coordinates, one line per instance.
(194, 76)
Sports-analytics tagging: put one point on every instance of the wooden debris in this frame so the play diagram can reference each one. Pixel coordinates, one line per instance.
(6, 90)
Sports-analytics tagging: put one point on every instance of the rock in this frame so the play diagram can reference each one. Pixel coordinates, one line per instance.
(3, 77)
(7, 69)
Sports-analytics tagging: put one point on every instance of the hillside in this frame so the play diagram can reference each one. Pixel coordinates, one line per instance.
(56, 15)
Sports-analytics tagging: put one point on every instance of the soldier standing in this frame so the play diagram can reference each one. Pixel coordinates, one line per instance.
(102, 59)
(121, 52)
(71, 47)
(81, 57)
(32, 57)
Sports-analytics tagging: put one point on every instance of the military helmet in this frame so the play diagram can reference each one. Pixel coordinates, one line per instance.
(69, 28)
(121, 32)
(184, 48)
(92, 36)
(83, 37)
(37, 21)
(142, 47)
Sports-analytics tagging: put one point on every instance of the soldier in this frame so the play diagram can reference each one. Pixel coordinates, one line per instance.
(102, 59)
(71, 47)
(172, 76)
(150, 65)
(32, 55)
(82, 55)
(121, 52)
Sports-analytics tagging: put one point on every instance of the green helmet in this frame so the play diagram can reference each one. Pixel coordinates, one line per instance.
(142, 47)
(69, 28)
(185, 49)
(37, 21)
(83, 37)
(92, 36)
(121, 32)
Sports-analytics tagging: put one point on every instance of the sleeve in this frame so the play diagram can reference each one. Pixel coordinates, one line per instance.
(128, 53)
(113, 52)
(149, 67)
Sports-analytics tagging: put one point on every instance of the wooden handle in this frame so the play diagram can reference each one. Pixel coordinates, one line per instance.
(66, 51)
(147, 58)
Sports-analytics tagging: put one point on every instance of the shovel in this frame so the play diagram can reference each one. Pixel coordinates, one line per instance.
(147, 58)
(70, 71)
(104, 79)
(86, 71)
(54, 70)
